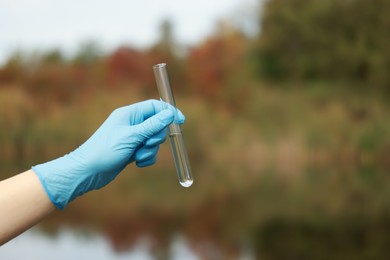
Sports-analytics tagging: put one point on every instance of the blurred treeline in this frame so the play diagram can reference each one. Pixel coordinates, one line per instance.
(344, 40)
(287, 130)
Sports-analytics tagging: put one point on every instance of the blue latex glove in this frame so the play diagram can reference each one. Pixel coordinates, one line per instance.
(131, 133)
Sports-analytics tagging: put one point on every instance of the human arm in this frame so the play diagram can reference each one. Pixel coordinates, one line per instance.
(23, 203)
(130, 134)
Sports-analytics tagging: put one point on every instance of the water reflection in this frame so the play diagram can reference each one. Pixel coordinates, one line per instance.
(324, 212)
(69, 244)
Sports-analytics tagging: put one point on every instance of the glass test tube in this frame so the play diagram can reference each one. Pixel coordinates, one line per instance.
(174, 130)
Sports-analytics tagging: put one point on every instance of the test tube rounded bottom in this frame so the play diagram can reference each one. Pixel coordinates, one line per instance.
(181, 159)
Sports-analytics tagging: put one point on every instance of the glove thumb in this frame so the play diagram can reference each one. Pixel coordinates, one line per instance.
(155, 124)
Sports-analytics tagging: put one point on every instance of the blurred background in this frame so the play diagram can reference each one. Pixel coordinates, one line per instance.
(287, 106)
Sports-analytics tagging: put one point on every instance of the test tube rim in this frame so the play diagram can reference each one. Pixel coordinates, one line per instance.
(159, 65)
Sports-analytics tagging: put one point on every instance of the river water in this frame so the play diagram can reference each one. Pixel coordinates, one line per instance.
(76, 245)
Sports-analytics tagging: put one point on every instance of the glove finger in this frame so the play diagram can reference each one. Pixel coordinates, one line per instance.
(145, 153)
(157, 139)
(149, 162)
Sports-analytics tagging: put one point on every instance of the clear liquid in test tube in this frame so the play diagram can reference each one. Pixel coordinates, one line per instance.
(174, 130)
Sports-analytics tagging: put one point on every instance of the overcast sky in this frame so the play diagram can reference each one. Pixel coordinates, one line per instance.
(64, 24)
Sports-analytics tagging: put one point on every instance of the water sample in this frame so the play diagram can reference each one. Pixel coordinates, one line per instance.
(176, 139)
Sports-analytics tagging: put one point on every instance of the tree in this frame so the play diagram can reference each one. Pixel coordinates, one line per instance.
(214, 65)
(326, 39)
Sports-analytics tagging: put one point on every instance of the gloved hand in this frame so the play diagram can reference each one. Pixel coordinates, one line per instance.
(131, 133)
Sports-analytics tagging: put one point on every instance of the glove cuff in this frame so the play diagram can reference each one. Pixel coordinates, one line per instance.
(56, 178)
